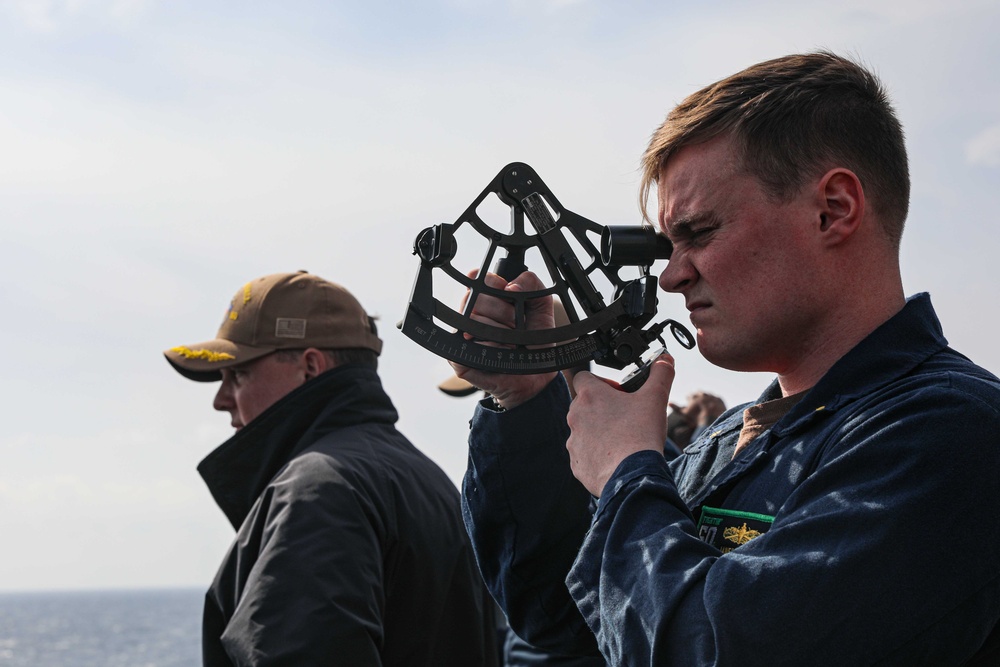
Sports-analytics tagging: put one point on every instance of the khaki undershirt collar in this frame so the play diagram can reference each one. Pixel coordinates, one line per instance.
(758, 418)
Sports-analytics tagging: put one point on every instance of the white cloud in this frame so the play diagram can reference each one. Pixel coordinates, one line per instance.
(536, 5)
(914, 10)
(984, 148)
(52, 16)
(36, 15)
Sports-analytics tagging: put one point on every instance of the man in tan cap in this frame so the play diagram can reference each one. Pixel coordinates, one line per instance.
(350, 546)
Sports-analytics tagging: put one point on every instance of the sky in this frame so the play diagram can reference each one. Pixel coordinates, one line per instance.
(155, 156)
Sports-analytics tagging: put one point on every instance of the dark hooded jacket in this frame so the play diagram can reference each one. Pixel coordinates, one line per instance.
(350, 547)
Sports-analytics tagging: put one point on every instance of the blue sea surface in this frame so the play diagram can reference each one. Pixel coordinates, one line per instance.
(158, 628)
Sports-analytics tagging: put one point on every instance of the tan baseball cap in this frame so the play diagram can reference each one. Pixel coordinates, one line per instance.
(281, 311)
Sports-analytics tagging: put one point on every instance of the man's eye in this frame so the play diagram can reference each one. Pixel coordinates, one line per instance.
(701, 235)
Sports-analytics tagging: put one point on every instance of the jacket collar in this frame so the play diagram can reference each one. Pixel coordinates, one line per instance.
(239, 470)
(893, 350)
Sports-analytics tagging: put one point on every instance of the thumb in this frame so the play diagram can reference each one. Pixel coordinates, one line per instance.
(583, 377)
(661, 378)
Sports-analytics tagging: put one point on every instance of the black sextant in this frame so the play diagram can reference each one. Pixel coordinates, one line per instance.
(579, 261)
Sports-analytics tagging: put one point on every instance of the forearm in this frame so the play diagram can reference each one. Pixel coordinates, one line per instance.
(640, 567)
(847, 560)
(527, 516)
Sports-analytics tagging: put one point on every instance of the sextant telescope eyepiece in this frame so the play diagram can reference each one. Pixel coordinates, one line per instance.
(633, 246)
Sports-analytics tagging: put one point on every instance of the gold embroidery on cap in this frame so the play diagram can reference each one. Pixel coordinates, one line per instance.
(740, 535)
(246, 294)
(204, 355)
(233, 315)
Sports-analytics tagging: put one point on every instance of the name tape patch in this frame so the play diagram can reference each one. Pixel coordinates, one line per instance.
(727, 529)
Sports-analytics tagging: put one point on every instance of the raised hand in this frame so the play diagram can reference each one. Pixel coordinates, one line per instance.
(509, 390)
(607, 425)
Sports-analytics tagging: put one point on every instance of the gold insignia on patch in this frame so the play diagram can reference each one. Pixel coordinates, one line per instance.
(246, 294)
(205, 355)
(740, 535)
(233, 315)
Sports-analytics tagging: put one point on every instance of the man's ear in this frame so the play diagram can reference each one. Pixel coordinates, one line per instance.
(315, 362)
(841, 205)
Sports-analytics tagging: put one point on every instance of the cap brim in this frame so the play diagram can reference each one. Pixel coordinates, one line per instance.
(203, 362)
(456, 386)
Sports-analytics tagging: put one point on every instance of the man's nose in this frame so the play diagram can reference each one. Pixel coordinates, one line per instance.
(678, 274)
(224, 397)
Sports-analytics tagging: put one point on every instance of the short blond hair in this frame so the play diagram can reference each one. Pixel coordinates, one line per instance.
(792, 118)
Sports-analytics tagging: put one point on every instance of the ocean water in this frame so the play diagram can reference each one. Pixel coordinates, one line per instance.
(160, 628)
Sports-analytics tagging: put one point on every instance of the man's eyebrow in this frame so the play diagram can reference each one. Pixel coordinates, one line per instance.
(682, 227)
